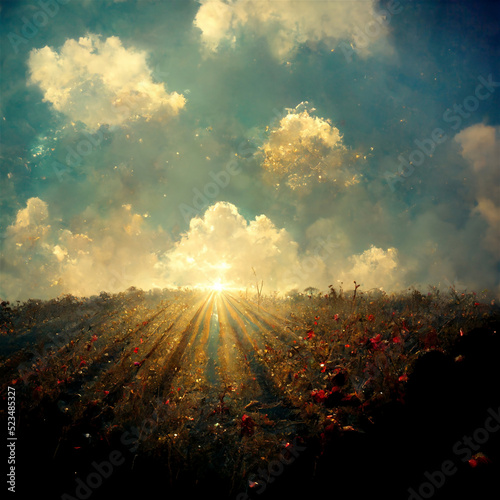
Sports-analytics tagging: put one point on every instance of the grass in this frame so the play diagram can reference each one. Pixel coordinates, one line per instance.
(334, 383)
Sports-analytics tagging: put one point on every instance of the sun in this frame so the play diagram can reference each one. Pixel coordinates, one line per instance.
(217, 287)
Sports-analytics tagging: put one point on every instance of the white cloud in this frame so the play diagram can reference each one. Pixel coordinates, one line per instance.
(480, 146)
(375, 268)
(223, 247)
(43, 261)
(30, 221)
(302, 150)
(113, 253)
(101, 82)
(287, 24)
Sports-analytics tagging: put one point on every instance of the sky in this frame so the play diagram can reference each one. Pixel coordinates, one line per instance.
(224, 143)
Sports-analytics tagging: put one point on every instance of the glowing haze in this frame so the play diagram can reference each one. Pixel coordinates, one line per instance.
(218, 144)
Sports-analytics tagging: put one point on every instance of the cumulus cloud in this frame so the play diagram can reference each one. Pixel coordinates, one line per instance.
(287, 24)
(101, 82)
(375, 268)
(480, 146)
(303, 149)
(222, 247)
(44, 260)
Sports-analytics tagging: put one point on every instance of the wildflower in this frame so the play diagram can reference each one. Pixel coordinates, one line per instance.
(310, 335)
(319, 396)
(376, 343)
(247, 425)
(479, 459)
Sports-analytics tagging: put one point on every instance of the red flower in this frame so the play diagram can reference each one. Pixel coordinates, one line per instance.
(310, 335)
(319, 396)
(376, 343)
(479, 459)
(136, 350)
(370, 317)
(247, 425)
(336, 317)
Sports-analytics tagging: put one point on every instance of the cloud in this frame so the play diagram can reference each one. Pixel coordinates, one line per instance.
(42, 260)
(45, 260)
(375, 268)
(29, 221)
(303, 150)
(222, 247)
(480, 146)
(101, 82)
(288, 24)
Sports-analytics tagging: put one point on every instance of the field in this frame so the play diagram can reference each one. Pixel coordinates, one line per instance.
(197, 393)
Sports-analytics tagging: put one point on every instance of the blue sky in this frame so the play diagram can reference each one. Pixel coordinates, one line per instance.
(154, 143)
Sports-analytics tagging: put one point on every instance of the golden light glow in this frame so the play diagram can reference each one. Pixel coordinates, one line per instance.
(217, 287)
